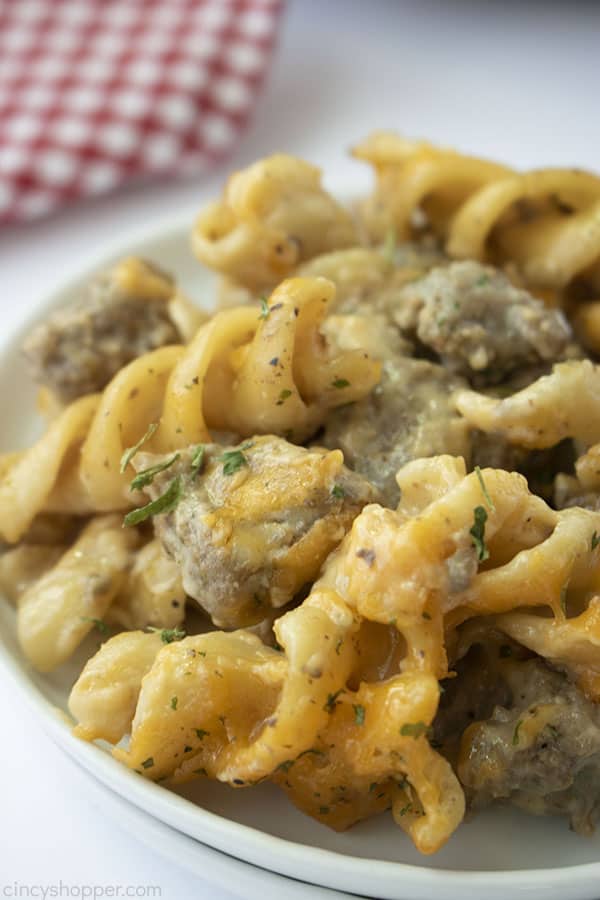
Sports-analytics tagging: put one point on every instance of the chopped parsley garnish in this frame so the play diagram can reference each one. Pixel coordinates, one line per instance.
(389, 245)
(264, 308)
(234, 459)
(515, 737)
(414, 729)
(98, 623)
(201, 733)
(338, 492)
(482, 280)
(406, 809)
(484, 490)
(168, 635)
(146, 476)
(285, 393)
(198, 460)
(477, 532)
(173, 702)
(359, 713)
(131, 451)
(163, 504)
(595, 540)
(340, 383)
(331, 702)
(148, 763)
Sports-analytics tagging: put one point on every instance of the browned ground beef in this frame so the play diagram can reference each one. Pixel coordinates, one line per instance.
(408, 415)
(77, 350)
(532, 738)
(248, 541)
(481, 325)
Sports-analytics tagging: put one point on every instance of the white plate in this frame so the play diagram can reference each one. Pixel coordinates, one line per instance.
(211, 867)
(502, 852)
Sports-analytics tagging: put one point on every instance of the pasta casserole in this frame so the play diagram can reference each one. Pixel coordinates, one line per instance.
(341, 531)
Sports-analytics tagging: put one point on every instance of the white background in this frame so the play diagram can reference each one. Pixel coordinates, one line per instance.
(517, 81)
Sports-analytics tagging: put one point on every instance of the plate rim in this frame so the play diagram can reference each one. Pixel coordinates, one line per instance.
(156, 835)
(336, 870)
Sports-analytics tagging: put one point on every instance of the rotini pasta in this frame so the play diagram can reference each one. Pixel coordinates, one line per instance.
(351, 478)
(572, 643)
(184, 732)
(586, 322)
(105, 697)
(153, 594)
(545, 223)
(414, 571)
(56, 613)
(565, 404)
(241, 373)
(414, 174)
(272, 216)
(24, 565)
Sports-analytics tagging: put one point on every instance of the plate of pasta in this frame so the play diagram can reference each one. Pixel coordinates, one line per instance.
(303, 540)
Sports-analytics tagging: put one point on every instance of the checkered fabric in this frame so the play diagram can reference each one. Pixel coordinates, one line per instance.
(96, 92)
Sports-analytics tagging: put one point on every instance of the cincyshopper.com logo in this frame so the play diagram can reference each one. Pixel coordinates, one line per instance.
(20, 890)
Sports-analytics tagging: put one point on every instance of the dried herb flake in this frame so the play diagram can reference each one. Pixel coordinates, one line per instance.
(166, 503)
(146, 476)
(484, 490)
(131, 451)
(98, 623)
(414, 729)
(477, 532)
(168, 635)
(359, 714)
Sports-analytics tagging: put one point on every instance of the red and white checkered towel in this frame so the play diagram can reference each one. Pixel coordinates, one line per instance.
(96, 92)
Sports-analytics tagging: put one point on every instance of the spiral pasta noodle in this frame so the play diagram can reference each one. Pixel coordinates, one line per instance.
(434, 654)
(300, 699)
(244, 373)
(291, 715)
(273, 215)
(545, 223)
(572, 643)
(564, 404)
(57, 612)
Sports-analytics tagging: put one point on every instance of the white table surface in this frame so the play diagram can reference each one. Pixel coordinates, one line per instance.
(515, 81)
